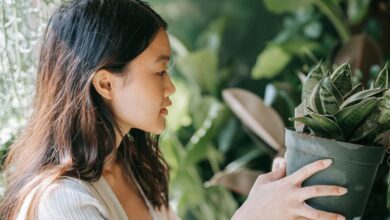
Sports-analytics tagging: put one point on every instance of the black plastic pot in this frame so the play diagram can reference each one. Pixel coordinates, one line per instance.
(354, 167)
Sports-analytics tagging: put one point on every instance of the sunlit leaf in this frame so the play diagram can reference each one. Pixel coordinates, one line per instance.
(270, 62)
(200, 68)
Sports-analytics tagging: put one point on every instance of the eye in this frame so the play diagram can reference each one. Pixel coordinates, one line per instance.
(162, 73)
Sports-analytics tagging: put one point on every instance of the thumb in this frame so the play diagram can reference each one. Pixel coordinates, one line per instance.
(278, 163)
(272, 176)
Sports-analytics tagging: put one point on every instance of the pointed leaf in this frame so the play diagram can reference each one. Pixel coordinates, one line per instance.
(382, 81)
(331, 127)
(341, 78)
(315, 100)
(359, 87)
(312, 79)
(313, 125)
(369, 126)
(353, 116)
(330, 96)
(362, 95)
(384, 107)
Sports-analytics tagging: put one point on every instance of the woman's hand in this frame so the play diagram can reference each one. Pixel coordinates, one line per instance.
(275, 196)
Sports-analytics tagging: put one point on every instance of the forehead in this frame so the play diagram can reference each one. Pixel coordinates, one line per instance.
(158, 50)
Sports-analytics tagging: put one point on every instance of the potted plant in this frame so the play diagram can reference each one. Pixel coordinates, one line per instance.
(343, 122)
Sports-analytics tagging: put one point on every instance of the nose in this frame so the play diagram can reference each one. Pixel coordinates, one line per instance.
(169, 88)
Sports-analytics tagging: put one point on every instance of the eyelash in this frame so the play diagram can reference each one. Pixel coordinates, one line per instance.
(162, 73)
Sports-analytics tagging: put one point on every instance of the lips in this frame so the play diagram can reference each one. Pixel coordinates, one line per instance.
(164, 111)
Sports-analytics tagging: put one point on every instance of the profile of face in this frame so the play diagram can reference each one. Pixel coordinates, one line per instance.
(140, 99)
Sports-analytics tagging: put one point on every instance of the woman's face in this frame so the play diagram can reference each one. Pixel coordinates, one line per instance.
(141, 100)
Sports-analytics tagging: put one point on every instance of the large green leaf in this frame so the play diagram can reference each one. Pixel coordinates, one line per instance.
(353, 116)
(341, 78)
(330, 97)
(382, 81)
(200, 68)
(329, 124)
(300, 46)
(281, 6)
(312, 79)
(362, 95)
(270, 62)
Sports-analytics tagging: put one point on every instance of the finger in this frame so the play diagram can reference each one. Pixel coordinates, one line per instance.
(278, 163)
(311, 213)
(302, 174)
(271, 176)
(321, 190)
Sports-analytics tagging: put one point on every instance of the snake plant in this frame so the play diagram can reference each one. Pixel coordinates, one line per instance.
(334, 108)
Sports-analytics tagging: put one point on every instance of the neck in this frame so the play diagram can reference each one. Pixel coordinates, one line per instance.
(111, 163)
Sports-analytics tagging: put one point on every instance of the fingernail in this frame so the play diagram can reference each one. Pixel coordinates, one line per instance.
(279, 165)
(327, 162)
(340, 217)
(343, 190)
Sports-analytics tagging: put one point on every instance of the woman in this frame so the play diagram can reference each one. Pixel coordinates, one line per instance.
(90, 149)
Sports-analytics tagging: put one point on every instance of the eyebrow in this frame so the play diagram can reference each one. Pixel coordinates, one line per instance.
(163, 57)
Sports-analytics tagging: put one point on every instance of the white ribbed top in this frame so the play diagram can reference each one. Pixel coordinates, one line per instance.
(73, 199)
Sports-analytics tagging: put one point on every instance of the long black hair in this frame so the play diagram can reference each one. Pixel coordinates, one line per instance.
(71, 130)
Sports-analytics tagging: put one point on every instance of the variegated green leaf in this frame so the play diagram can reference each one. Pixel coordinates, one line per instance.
(341, 78)
(384, 107)
(359, 87)
(315, 101)
(328, 124)
(312, 79)
(369, 126)
(330, 97)
(353, 116)
(382, 81)
(314, 126)
(362, 95)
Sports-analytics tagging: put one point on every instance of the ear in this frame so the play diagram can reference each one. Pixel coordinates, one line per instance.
(103, 83)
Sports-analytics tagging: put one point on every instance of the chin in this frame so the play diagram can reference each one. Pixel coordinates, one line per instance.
(158, 130)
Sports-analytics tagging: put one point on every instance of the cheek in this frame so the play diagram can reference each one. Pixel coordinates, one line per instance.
(138, 106)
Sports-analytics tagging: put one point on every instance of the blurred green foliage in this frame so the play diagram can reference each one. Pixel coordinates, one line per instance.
(260, 45)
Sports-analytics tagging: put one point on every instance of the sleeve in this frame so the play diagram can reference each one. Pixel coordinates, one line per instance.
(69, 200)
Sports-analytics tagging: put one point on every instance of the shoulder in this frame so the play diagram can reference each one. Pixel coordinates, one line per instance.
(69, 198)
